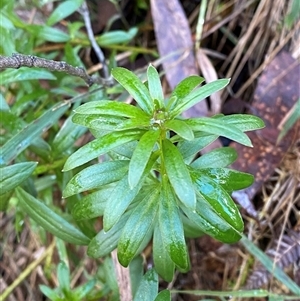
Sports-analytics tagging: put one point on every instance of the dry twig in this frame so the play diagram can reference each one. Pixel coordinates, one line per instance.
(20, 60)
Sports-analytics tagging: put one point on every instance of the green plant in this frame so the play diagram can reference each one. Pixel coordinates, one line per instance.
(291, 118)
(151, 160)
(64, 291)
(149, 182)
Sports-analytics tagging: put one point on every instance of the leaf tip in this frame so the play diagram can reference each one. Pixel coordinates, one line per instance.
(67, 166)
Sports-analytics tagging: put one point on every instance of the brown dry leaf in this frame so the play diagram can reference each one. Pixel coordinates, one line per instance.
(209, 73)
(272, 101)
(175, 44)
(284, 252)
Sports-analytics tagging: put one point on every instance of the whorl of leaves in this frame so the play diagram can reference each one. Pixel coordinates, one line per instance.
(285, 252)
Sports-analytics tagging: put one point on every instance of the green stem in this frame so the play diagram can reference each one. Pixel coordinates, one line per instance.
(162, 163)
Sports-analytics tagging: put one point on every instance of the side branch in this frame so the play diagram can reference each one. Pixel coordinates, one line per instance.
(20, 60)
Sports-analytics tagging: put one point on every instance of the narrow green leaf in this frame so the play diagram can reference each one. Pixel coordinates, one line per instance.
(100, 122)
(136, 269)
(122, 196)
(146, 240)
(4, 200)
(293, 116)
(229, 179)
(137, 226)
(10, 45)
(191, 229)
(4, 107)
(49, 293)
(292, 15)
(141, 156)
(190, 148)
(171, 226)
(96, 176)
(9, 76)
(276, 298)
(50, 220)
(126, 150)
(211, 222)
(116, 37)
(106, 241)
(164, 295)
(110, 122)
(5, 22)
(198, 95)
(108, 275)
(72, 55)
(13, 147)
(178, 174)
(180, 128)
(13, 175)
(148, 289)
(66, 137)
(220, 157)
(243, 122)
(135, 88)
(239, 294)
(101, 146)
(62, 251)
(82, 291)
(109, 107)
(47, 33)
(220, 128)
(163, 264)
(13, 124)
(63, 276)
(63, 10)
(92, 205)
(118, 202)
(184, 88)
(154, 86)
(270, 266)
(220, 200)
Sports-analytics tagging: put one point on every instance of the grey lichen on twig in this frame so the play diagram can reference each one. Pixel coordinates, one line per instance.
(20, 60)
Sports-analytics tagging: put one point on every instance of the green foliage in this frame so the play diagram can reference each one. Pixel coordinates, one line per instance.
(13, 175)
(37, 135)
(148, 287)
(270, 266)
(50, 220)
(293, 117)
(153, 189)
(242, 294)
(293, 14)
(63, 10)
(149, 182)
(64, 291)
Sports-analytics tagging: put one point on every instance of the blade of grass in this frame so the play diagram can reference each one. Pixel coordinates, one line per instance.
(270, 266)
(240, 294)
